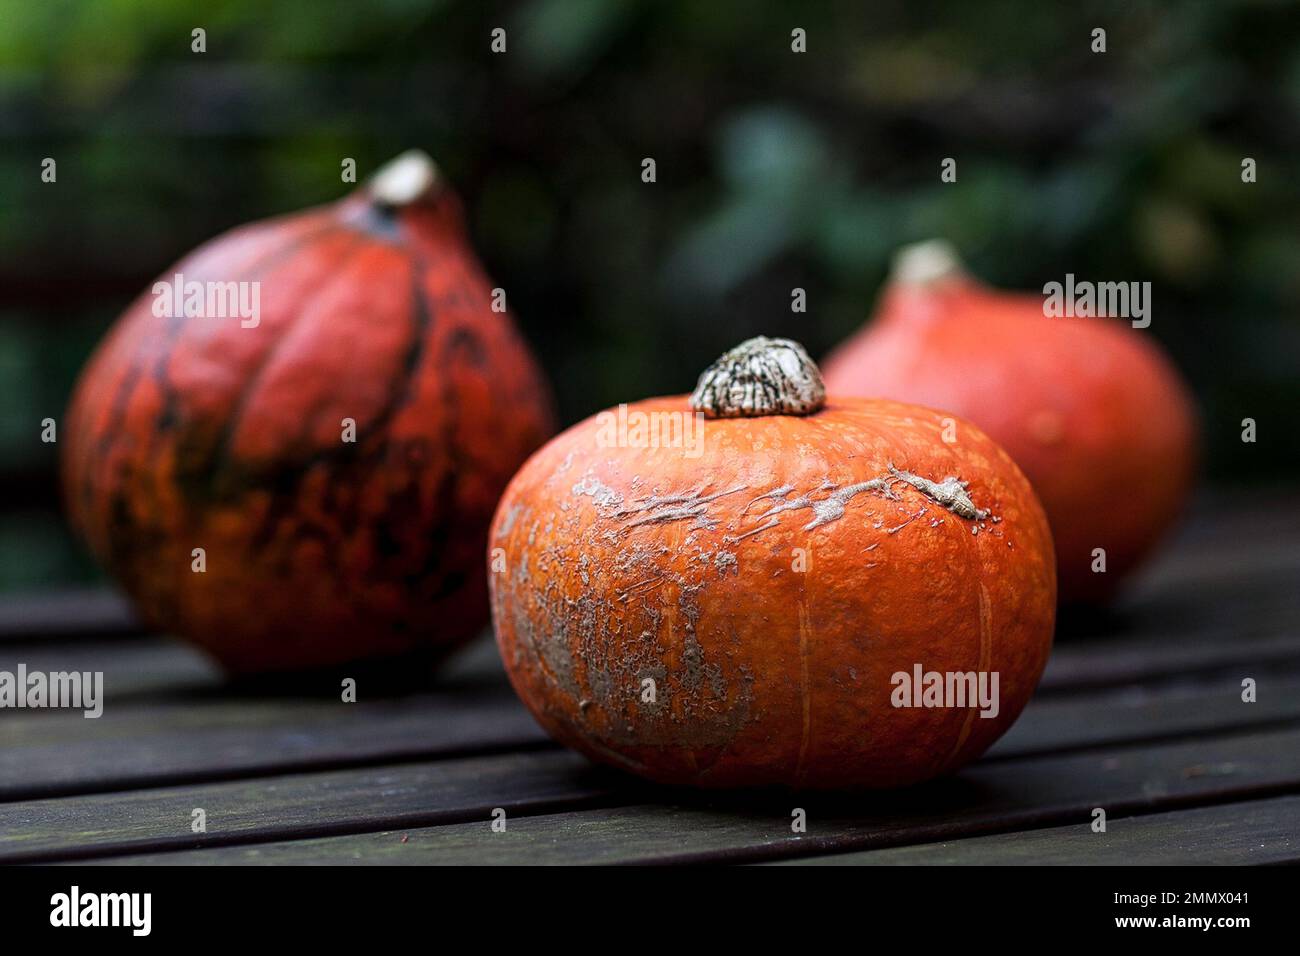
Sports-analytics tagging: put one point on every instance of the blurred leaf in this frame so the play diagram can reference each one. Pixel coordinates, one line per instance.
(564, 37)
(728, 247)
(771, 151)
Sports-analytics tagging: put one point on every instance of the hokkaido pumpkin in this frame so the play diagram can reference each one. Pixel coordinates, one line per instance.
(1090, 408)
(310, 485)
(741, 588)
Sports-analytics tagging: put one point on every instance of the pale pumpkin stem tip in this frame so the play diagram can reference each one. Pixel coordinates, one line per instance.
(408, 178)
(760, 376)
(924, 262)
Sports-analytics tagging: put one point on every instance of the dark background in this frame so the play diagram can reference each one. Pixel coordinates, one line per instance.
(775, 170)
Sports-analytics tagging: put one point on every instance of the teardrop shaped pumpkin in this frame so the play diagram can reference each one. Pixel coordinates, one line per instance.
(743, 599)
(1093, 412)
(289, 450)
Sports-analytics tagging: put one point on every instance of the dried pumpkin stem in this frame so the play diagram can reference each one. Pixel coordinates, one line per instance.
(407, 179)
(924, 262)
(760, 376)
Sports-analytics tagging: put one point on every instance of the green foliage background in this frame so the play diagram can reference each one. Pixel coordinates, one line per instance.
(775, 170)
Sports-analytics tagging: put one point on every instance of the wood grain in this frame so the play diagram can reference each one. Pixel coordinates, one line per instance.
(1237, 834)
(223, 739)
(1139, 712)
(66, 614)
(300, 805)
(996, 796)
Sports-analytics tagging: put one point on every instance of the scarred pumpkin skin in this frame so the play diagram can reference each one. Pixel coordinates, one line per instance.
(188, 433)
(622, 564)
(1093, 412)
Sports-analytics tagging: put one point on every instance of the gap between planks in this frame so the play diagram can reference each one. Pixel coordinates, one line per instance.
(1251, 833)
(692, 828)
(232, 740)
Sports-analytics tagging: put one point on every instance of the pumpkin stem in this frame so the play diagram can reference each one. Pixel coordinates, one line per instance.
(407, 179)
(924, 262)
(760, 376)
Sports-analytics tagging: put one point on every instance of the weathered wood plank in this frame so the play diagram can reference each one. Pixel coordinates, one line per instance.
(221, 737)
(225, 739)
(135, 670)
(989, 797)
(301, 805)
(64, 614)
(1219, 615)
(1093, 718)
(1141, 658)
(1248, 532)
(1240, 834)
(147, 670)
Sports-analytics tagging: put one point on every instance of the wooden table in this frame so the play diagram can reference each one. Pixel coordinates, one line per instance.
(1140, 713)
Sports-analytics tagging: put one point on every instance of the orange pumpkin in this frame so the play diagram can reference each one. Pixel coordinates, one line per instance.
(311, 484)
(1092, 411)
(729, 599)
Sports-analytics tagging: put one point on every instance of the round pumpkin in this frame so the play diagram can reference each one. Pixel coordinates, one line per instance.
(1090, 408)
(740, 588)
(304, 476)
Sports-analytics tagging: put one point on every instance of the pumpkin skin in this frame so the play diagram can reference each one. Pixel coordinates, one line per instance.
(189, 433)
(618, 564)
(1090, 408)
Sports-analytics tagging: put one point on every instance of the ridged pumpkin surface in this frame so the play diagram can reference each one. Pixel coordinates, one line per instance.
(622, 564)
(1092, 411)
(197, 432)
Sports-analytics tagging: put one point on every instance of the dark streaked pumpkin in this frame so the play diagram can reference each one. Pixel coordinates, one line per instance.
(223, 435)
